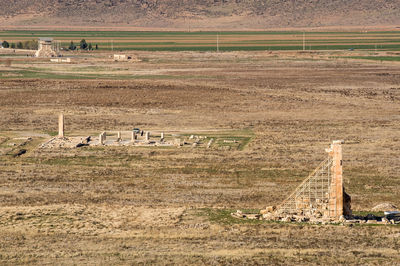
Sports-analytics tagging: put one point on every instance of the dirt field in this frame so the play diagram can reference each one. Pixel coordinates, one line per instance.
(148, 205)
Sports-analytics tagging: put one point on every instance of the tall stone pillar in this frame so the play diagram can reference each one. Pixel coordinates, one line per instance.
(147, 137)
(102, 138)
(336, 189)
(61, 126)
(133, 137)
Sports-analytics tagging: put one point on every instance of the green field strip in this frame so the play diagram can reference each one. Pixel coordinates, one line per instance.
(44, 33)
(261, 48)
(375, 58)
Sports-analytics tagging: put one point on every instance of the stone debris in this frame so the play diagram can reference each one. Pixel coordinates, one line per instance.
(135, 137)
(61, 60)
(296, 218)
(240, 214)
(230, 141)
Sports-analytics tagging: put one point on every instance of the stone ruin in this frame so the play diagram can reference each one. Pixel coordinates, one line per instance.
(45, 48)
(125, 58)
(321, 198)
(321, 194)
(121, 138)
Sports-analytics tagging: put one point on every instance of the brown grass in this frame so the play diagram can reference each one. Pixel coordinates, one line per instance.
(141, 205)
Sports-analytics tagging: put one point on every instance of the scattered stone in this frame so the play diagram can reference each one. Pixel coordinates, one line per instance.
(230, 141)
(252, 216)
(238, 214)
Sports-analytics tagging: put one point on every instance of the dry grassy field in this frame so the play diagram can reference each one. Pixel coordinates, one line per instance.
(171, 205)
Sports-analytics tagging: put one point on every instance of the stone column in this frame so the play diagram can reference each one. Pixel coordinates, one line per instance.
(147, 136)
(336, 190)
(162, 137)
(61, 126)
(119, 136)
(134, 137)
(102, 138)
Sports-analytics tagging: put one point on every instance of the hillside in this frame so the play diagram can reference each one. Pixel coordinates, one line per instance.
(211, 14)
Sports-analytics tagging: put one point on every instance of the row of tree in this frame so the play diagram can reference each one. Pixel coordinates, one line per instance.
(31, 45)
(83, 45)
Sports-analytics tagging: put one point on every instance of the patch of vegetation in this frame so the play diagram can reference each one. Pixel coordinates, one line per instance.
(51, 133)
(375, 58)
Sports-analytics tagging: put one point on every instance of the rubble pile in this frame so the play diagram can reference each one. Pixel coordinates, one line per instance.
(391, 217)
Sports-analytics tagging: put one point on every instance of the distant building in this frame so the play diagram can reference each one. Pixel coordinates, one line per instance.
(45, 48)
(120, 57)
(124, 58)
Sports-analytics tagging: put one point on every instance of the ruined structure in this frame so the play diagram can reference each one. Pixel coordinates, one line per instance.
(321, 194)
(45, 48)
(117, 138)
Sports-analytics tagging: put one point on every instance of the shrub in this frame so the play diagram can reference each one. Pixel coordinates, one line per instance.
(5, 44)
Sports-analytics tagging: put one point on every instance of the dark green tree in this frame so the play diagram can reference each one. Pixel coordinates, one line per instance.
(5, 44)
(72, 46)
(20, 45)
(83, 44)
(13, 45)
(90, 47)
(97, 47)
